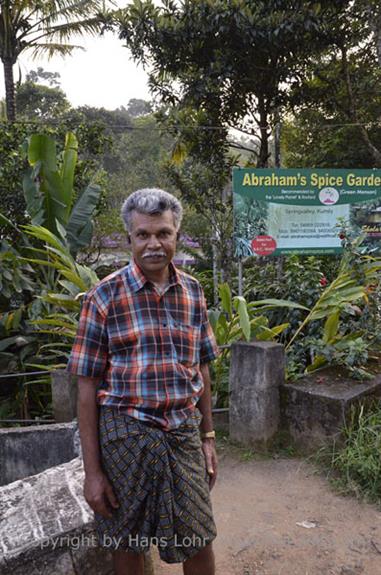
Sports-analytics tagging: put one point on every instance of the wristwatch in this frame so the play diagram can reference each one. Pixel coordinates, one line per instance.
(208, 435)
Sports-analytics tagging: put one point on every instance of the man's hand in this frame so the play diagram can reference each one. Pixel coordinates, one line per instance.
(100, 495)
(209, 450)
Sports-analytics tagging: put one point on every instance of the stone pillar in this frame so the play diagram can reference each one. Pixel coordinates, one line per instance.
(64, 396)
(256, 373)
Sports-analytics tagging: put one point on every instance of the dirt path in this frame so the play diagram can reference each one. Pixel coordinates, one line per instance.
(258, 505)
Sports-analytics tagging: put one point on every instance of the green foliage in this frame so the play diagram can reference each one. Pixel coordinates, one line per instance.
(92, 143)
(41, 76)
(238, 320)
(49, 191)
(42, 27)
(295, 278)
(350, 352)
(38, 102)
(74, 278)
(12, 166)
(358, 462)
(14, 278)
(42, 284)
(336, 105)
(233, 69)
(137, 107)
(48, 323)
(236, 63)
(206, 188)
(205, 277)
(350, 285)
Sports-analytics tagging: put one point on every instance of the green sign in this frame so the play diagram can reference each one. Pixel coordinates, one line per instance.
(280, 211)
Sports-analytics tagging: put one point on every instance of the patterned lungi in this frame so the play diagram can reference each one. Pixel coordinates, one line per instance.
(160, 480)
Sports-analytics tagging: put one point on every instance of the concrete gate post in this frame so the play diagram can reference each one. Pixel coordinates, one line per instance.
(64, 396)
(256, 373)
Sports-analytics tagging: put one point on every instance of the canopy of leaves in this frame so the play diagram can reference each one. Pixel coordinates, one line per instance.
(337, 106)
(231, 61)
(35, 101)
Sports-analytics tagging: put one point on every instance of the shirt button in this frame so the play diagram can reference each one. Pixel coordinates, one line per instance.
(164, 324)
(167, 353)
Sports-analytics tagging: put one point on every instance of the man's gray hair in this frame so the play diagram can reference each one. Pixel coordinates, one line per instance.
(151, 201)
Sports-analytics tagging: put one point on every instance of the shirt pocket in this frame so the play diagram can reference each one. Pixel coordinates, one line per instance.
(186, 342)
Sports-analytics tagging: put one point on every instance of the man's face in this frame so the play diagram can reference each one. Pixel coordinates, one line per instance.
(153, 242)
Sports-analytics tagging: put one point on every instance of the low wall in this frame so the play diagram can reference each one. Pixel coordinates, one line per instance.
(46, 526)
(313, 413)
(26, 451)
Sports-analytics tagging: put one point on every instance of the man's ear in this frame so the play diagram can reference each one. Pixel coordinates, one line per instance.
(128, 238)
(178, 236)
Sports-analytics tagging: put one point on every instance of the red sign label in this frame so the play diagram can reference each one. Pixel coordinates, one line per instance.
(263, 245)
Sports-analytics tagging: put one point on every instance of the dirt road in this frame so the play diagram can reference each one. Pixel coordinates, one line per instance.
(280, 517)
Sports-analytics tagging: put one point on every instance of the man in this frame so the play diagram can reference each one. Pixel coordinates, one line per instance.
(141, 355)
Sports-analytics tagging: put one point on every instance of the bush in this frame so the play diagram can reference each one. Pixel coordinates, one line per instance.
(358, 463)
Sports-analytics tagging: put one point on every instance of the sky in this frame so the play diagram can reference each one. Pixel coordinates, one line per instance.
(102, 76)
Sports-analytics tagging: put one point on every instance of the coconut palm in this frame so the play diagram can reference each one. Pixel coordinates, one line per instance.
(42, 26)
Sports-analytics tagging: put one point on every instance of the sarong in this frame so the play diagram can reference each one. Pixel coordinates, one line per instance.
(162, 486)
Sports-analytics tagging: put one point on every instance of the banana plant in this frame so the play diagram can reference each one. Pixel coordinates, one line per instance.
(49, 191)
(237, 320)
(73, 280)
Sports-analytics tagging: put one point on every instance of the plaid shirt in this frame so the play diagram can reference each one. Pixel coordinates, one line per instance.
(145, 347)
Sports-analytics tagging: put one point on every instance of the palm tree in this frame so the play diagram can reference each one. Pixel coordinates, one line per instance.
(43, 26)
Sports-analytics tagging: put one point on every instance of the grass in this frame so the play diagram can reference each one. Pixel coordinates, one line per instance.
(355, 466)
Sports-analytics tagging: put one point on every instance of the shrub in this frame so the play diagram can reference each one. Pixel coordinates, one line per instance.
(358, 463)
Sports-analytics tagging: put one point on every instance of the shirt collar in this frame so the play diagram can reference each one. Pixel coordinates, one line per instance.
(139, 279)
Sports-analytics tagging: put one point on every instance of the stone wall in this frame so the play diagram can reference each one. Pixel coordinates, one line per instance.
(46, 526)
(314, 412)
(26, 451)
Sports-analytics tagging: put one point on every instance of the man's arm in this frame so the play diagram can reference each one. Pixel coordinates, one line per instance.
(97, 489)
(208, 445)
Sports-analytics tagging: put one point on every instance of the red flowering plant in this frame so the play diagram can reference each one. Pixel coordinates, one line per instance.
(347, 306)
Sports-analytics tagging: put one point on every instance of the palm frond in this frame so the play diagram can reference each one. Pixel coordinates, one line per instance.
(52, 49)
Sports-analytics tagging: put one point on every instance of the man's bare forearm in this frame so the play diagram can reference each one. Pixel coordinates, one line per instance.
(205, 402)
(88, 424)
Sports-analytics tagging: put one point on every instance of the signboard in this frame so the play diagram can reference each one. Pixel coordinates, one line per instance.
(280, 211)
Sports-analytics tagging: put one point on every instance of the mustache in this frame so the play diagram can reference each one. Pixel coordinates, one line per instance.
(154, 254)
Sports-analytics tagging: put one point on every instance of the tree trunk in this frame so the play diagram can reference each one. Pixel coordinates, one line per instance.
(277, 134)
(226, 256)
(375, 24)
(215, 272)
(373, 151)
(9, 89)
(263, 157)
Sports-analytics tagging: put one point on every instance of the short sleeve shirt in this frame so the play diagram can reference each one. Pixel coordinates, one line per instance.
(146, 348)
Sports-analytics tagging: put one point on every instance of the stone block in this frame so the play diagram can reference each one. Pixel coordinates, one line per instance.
(26, 451)
(64, 396)
(314, 413)
(46, 527)
(256, 373)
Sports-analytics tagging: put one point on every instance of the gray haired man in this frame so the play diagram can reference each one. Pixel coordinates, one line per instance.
(141, 355)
